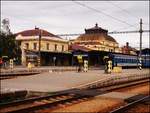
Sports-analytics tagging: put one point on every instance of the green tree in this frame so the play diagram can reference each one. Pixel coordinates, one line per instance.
(9, 47)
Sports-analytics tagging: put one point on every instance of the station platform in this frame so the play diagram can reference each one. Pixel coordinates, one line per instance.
(17, 69)
(58, 81)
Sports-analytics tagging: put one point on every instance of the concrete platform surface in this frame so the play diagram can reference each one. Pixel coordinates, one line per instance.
(58, 81)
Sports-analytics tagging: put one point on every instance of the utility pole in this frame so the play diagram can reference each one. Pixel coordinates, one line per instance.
(39, 52)
(140, 54)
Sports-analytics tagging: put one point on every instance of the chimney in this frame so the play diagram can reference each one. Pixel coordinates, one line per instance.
(127, 44)
(96, 25)
(36, 28)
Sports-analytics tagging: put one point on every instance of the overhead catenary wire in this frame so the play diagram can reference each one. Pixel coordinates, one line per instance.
(123, 10)
(101, 12)
(113, 32)
(124, 28)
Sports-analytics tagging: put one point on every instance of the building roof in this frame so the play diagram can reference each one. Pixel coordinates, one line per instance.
(76, 47)
(95, 29)
(95, 34)
(144, 51)
(36, 32)
(95, 38)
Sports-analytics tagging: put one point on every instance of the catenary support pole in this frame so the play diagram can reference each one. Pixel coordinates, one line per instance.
(140, 54)
(39, 52)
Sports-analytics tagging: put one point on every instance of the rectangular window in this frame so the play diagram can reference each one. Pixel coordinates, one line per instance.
(47, 46)
(34, 46)
(62, 47)
(55, 47)
(103, 42)
(110, 50)
(27, 45)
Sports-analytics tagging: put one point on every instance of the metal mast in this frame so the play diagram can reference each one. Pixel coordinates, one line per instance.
(39, 52)
(140, 54)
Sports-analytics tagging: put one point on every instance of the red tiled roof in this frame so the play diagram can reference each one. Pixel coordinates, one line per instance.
(110, 38)
(96, 36)
(36, 32)
(89, 43)
(77, 47)
(96, 28)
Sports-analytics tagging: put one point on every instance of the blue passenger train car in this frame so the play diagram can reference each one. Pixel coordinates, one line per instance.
(146, 57)
(146, 60)
(124, 60)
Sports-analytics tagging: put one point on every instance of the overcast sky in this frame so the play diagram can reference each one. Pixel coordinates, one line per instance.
(61, 17)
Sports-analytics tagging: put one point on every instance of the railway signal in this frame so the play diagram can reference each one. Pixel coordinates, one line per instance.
(11, 63)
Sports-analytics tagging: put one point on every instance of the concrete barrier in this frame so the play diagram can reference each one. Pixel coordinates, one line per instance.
(13, 94)
(117, 69)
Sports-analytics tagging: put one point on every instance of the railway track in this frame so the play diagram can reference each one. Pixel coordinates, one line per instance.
(33, 104)
(28, 105)
(114, 81)
(125, 108)
(16, 74)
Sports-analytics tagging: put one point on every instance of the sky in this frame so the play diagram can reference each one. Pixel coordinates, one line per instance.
(69, 17)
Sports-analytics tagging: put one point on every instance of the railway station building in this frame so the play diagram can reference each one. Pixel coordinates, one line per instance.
(94, 45)
(128, 49)
(53, 49)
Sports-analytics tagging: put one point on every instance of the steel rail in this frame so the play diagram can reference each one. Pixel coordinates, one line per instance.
(8, 75)
(113, 81)
(46, 105)
(29, 100)
(75, 96)
(122, 109)
(118, 86)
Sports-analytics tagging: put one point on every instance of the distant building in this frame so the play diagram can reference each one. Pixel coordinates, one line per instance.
(94, 45)
(54, 50)
(128, 49)
(97, 39)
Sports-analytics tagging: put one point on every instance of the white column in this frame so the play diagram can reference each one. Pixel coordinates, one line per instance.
(23, 56)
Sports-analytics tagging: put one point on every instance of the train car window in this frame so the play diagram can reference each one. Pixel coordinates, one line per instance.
(131, 60)
(118, 60)
(125, 60)
(122, 60)
(134, 60)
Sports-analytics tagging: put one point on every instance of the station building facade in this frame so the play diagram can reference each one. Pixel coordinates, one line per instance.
(53, 49)
(94, 45)
(98, 39)
(128, 49)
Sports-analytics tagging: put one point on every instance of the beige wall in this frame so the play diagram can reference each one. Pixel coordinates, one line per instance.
(52, 41)
(104, 46)
(44, 45)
